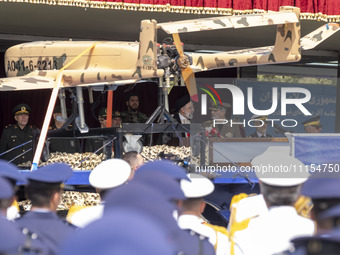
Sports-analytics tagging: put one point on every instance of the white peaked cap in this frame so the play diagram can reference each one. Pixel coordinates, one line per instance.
(110, 173)
(199, 186)
(277, 168)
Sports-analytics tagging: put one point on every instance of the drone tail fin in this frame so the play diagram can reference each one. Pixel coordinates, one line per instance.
(287, 42)
(147, 54)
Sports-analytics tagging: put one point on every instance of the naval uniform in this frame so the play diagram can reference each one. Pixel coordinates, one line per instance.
(51, 230)
(217, 239)
(271, 232)
(13, 136)
(191, 243)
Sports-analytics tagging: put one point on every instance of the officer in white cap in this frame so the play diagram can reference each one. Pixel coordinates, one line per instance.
(190, 212)
(107, 175)
(280, 185)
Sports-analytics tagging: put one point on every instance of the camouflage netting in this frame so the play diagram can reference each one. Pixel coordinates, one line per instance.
(151, 153)
(78, 161)
(88, 160)
(69, 198)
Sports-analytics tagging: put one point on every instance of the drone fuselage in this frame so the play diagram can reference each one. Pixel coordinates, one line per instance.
(106, 62)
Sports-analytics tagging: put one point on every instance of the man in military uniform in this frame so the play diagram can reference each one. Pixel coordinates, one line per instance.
(109, 174)
(17, 134)
(312, 125)
(219, 112)
(324, 193)
(147, 196)
(261, 126)
(132, 115)
(93, 145)
(60, 144)
(192, 207)
(44, 190)
(271, 232)
(323, 189)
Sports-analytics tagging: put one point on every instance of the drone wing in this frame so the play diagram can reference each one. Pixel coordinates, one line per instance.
(319, 35)
(70, 78)
(195, 25)
(26, 83)
(285, 49)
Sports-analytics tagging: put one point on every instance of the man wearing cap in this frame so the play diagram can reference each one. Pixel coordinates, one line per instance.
(324, 191)
(133, 115)
(312, 125)
(325, 211)
(59, 144)
(190, 211)
(271, 232)
(225, 130)
(17, 134)
(107, 175)
(152, 193)
(93, 145)
(260, 122)
(13, 240)
(116, 118)
(44, 190)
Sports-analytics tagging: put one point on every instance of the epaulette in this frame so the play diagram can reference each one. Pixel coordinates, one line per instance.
(9, 125)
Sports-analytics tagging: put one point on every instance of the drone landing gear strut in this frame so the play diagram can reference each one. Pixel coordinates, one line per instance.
(162, 111)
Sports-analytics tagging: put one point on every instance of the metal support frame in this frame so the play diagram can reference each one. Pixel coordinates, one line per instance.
(162, 111)
(81, 121)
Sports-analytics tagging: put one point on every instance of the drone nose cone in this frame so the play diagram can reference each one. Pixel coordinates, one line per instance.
(194, 98)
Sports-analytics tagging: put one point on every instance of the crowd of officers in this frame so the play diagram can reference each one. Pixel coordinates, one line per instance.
(155, 208)
(17, 139)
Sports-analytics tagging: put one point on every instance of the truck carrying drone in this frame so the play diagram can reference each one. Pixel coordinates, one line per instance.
(64, 64)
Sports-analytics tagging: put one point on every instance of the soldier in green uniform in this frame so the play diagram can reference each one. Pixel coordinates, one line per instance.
(17, 134)
(58, 144)
(132, 115)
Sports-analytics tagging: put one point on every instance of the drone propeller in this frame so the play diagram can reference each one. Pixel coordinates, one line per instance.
(187, 72)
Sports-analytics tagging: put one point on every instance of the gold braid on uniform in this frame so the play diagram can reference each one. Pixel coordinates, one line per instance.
(234, 225)
(303, 206)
